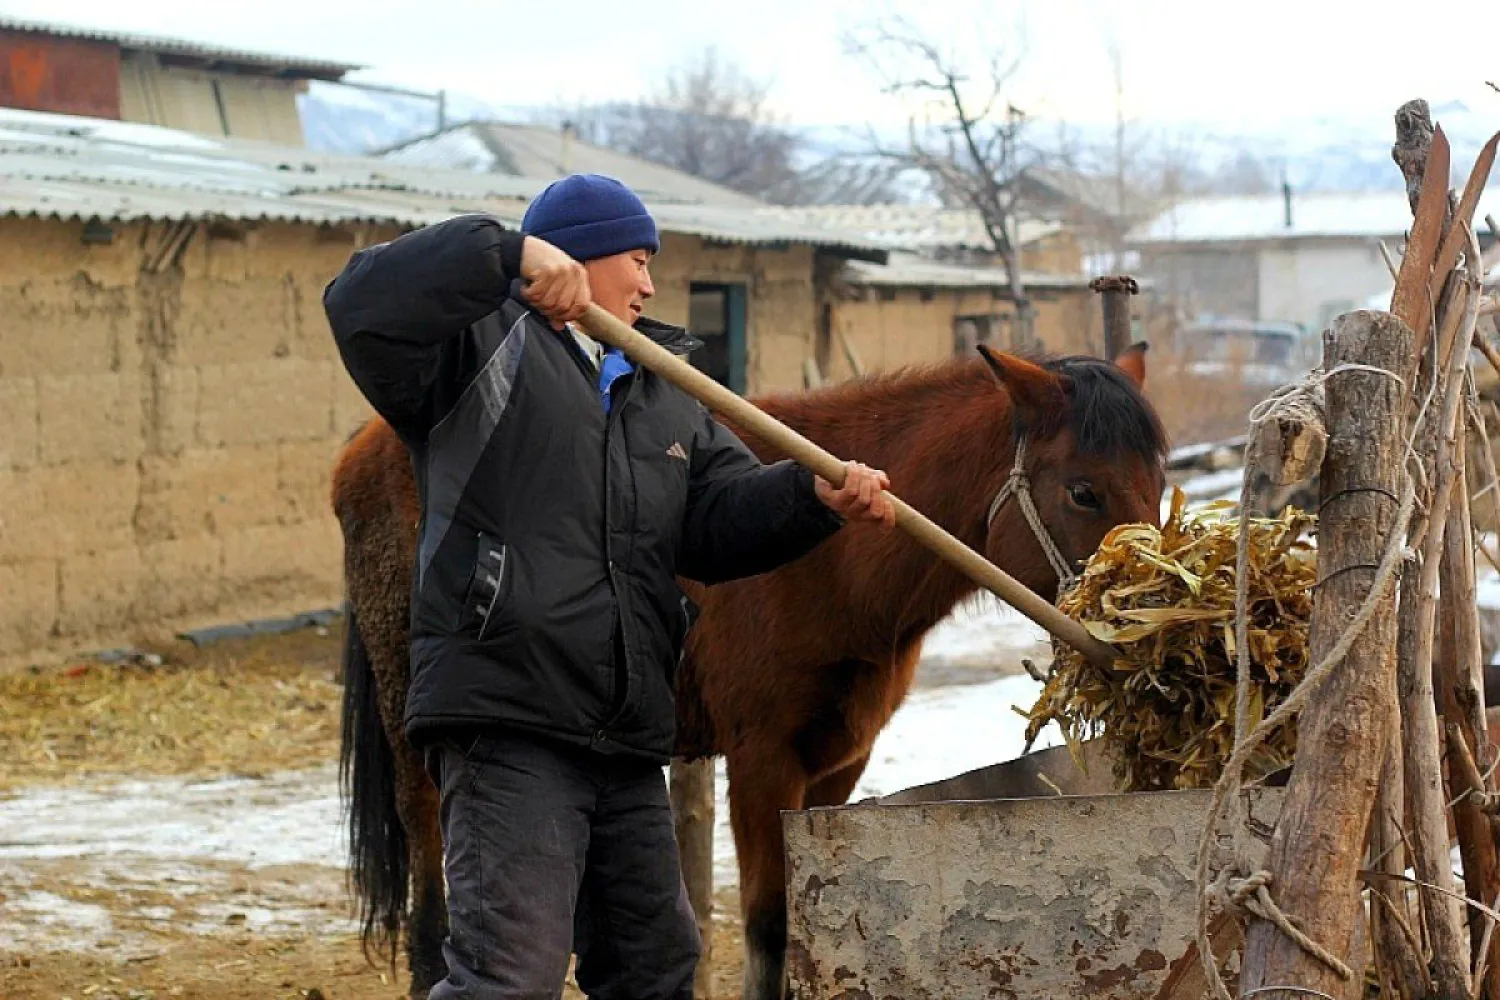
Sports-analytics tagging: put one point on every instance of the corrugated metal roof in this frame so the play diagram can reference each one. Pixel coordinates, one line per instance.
(540, 151)
(912, 227)
(321, 68)
(1263, 217)
(67, 167)
(910, 271)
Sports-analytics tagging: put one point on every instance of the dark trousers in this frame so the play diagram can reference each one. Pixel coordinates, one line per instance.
(552, 850)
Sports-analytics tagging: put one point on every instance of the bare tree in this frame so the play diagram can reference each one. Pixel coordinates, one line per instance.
(708, 118)
(972, 151)
(705, 117)
(1247, 173)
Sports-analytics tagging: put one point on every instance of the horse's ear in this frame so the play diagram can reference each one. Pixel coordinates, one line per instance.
(1132, 361)
(1034, 390)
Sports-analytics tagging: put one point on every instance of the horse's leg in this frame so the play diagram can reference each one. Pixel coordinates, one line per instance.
(760, 786)
(834, 789)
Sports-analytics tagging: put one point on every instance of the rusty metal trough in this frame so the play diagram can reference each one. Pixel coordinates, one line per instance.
(1026, 879)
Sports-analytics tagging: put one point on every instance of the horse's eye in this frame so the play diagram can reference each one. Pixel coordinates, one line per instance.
(1083, 495)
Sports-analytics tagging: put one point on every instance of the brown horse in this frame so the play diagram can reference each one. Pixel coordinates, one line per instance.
(790, 675)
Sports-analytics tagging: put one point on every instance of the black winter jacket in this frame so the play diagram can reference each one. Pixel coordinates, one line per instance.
(545, 596)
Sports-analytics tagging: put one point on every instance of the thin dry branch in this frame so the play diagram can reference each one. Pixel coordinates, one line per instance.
(1394, 941)
(979, 164)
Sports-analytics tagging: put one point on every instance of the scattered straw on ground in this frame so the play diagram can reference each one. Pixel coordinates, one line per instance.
(1165, 710)
(241, 706)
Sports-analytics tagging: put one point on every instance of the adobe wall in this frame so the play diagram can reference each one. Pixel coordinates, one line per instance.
(890, 328)
(780, 312)
(167, 436)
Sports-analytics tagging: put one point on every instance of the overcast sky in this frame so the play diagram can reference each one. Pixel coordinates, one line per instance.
(1182, 59)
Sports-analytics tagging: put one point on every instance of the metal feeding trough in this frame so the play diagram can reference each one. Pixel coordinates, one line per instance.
(1029, 878)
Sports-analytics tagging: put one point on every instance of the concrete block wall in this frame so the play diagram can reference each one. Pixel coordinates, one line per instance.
(165, 438)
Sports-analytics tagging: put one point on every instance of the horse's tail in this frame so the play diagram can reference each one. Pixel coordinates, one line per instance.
(379, 863)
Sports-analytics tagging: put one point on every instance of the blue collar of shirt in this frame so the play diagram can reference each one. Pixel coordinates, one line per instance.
(614, 365)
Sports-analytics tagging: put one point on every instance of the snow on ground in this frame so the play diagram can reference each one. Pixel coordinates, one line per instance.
(937, 733)
(984, 633)
(294, 817)
(168, 852)
(287, 818)
(1222, 485)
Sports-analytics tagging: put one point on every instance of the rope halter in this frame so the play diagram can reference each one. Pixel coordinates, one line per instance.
(1018, 485)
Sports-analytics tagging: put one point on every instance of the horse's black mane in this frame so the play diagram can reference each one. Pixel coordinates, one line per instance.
(1108, 415)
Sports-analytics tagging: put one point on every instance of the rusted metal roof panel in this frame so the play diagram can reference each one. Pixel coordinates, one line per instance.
(320, 68)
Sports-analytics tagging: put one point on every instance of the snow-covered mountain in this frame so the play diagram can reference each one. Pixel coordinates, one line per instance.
(1316, 153)
(1341, 152)
(341, 119)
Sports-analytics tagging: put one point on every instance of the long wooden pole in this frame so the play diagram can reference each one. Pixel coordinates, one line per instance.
(643, 350)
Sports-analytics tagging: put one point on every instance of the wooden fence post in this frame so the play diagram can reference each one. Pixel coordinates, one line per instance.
(1116, 290)
(1342, 733)
(693, 815)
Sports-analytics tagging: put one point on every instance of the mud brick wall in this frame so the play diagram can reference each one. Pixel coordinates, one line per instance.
(165, 438)
(781, 306)
(167, 433)
(894, 327)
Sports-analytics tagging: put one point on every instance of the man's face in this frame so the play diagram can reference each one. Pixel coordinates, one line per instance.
(621, 284)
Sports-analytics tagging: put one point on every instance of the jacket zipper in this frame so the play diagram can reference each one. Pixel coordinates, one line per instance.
(615, 418)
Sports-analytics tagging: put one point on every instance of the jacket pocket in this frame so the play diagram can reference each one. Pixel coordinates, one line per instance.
(488, 584)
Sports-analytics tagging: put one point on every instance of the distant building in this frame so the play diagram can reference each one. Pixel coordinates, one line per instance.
(205, 89)
(1100, 211)
(1283, 258)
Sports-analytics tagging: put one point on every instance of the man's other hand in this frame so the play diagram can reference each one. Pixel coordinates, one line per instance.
(862, 497)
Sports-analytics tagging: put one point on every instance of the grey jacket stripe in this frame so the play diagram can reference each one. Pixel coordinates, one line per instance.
(457, 441)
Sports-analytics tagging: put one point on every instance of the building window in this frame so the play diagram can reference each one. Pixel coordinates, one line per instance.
(716, 316)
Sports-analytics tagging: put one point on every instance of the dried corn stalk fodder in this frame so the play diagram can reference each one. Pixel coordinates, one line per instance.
(1165, 598)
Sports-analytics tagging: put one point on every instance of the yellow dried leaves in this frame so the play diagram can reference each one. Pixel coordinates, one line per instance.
(1165, 710)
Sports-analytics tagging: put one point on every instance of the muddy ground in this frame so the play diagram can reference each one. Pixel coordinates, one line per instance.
(170, 827)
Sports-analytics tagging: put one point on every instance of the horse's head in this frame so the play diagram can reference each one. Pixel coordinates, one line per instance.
(1091, 453)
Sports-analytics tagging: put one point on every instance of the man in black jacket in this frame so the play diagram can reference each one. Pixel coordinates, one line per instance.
(562, 493)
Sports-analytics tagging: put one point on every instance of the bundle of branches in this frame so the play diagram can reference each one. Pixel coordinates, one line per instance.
(1166, 598)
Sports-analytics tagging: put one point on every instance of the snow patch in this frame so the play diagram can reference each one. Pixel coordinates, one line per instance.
(936, 734)
(294, 817)
(984, 632)
(284, 819)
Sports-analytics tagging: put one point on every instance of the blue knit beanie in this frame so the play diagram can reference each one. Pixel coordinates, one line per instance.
(590, 215)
